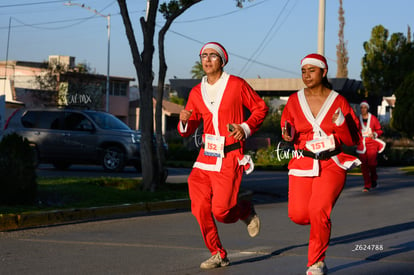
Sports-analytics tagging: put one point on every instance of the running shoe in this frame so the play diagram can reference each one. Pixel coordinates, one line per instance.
(253, 223)
(318, 268)
(214, 262)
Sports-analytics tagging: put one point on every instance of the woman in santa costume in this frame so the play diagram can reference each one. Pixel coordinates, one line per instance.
(370, 146)
(214, 182)
(318, 121)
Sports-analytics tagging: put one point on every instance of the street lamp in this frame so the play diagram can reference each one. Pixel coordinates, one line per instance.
(108, 17)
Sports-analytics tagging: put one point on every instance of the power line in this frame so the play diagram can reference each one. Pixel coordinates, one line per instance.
(37, 25)
(277, 29)
(264, 39)
(31, 4)
(237, 55)
(221, 15)
(83, 19)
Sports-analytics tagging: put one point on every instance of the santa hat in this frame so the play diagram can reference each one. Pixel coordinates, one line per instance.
(314, 59)
(364, 103)
(219, 49)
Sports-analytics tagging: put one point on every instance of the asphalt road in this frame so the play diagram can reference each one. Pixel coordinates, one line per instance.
(372, 234)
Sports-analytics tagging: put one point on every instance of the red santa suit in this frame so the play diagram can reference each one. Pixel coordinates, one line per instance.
(315, 184)
(368, 149)
(214, 181)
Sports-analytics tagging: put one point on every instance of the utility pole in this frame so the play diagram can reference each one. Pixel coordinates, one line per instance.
(321, 28)
(3, 91)
(108, 18)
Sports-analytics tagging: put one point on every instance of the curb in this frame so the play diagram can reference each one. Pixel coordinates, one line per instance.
(10, 222)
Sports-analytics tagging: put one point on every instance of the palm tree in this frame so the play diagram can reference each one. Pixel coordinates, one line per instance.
(197, 71)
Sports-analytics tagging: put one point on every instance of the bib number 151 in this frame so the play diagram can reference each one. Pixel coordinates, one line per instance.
(322, 144)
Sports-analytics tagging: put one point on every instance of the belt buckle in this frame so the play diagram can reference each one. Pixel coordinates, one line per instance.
(317, 156)
(324, 155)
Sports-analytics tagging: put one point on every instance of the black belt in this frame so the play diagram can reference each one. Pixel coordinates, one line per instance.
(322, 155)
(232, 147)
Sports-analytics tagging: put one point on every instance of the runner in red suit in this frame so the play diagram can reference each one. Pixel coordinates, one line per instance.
(218, 101)
(369, 147)
(318, 121)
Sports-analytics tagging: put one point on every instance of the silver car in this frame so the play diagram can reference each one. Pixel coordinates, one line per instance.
(69, 136)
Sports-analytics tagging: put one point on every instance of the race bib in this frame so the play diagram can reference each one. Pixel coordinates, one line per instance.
(213, 146)
(367, 132)
(321, 144)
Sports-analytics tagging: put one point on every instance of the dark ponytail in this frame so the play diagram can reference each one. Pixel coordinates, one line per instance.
(326, 83)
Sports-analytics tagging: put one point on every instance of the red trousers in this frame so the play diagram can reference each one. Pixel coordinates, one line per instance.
(369, 165)
(215, 194)
(311, 200)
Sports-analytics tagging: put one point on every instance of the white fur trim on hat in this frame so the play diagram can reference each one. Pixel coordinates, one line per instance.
(364, 103)
(219, 49)
(314, 62)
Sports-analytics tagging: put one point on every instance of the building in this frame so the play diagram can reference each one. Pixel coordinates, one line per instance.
(386, 108)
(170, 115)
(59, 82)
(7, 102)
(277, 87)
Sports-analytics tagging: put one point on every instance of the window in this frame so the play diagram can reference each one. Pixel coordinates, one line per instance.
(42, 119)
(118, 88)
(77, 122)
(107, 121)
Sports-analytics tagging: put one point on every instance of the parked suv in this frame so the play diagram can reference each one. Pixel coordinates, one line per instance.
(68, 136)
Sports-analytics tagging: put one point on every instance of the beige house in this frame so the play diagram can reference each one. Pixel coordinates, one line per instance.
(170, 115)
(25, 83)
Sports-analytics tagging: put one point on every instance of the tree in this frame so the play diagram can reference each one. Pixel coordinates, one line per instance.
(403, 115)
(177, 100)
(80, 89)
(341, 51)
(270, 127)
(143, 66)
(18, 174)
(61, 85)
(170, 12)
(49, 80)
(197, 70)
(386, 62)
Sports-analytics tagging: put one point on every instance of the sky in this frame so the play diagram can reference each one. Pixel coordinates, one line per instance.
(265, 38)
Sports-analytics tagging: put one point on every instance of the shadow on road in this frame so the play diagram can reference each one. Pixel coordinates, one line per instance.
(352, 238)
